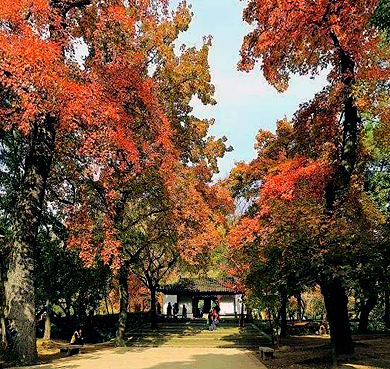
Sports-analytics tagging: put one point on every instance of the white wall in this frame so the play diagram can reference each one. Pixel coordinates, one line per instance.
(166, 299)
(226, 304)
(187, 301)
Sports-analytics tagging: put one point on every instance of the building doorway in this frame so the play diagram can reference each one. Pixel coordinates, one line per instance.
(201, 305)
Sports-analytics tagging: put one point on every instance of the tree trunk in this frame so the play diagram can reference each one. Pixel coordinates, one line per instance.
(300, 307)
(283, 316)
(336, 304)
(271, 326)
(105, 300)
(153, 313)
(3, 333)
(123, 305)
(47, 334)
(387, 306)
(242, 313)
(66, 310)
(336, 301)
(365, 312)
(2, 302)
(19, 288)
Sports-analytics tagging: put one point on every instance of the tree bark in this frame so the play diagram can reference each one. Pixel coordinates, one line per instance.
(336, 301)
(19, 288)
(2, 302)
(123, 305)
(336, 304)
(153, 312)
(105, 300)
(365, 312)
(300, 307)
(3, 333)
(242, 313)
(283, 316)
(387, 305)
(47, 334)
(271, 326)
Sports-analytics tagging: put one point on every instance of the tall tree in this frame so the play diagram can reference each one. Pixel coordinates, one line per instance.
(111, 197)
(305, 37)
(52, 101)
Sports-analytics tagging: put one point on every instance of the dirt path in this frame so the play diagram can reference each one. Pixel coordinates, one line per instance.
(159, 358)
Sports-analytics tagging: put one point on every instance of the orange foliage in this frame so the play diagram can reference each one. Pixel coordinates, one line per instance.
(144, 166)
(297, 36)
(139, 296)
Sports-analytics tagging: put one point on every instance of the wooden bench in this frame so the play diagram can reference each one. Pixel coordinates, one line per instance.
(266, 352)
(69, 350)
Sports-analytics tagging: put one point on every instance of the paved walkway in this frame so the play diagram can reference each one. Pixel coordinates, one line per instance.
(175, 345)
(160, 358)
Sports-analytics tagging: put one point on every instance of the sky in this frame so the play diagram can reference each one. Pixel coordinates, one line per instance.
(245, 101)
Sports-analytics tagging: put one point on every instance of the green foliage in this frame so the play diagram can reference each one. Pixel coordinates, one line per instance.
(65, 281)
(381, 17)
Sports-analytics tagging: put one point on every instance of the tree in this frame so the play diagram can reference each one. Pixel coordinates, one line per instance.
(55, 104)
(286, 240)
(303, 37)
(110, 197)
(64, 281)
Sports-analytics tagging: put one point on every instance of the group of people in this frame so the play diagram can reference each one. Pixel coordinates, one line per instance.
(213, 317)
(175, 310)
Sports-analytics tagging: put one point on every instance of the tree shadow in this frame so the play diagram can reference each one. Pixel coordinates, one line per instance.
(246, 337)
(166, 331)
(48, 357)
(180, 333)
(211, 361)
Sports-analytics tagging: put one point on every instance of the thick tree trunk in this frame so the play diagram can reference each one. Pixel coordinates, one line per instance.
(283, 316)
(47, 334)
(19, 288)
(153, 312)
(365, 312)
(123, 305)
(336, 304)
(336, 301)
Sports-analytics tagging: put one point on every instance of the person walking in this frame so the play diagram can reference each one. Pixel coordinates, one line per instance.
(215, 317)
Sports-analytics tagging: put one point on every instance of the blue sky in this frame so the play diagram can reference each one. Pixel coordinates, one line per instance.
(246, 102)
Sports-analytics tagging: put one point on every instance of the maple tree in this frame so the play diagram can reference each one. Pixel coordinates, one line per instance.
(120, 204)
(286, 239)
(64, 110)
(306, 37)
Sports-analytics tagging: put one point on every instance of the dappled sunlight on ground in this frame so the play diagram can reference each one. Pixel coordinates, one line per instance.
(159, 358)
(371, 351)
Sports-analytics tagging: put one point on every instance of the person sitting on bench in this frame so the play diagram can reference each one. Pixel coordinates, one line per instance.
(77, 340)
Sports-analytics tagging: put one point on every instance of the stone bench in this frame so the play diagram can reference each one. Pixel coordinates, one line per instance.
(266, 352)
(68, 350)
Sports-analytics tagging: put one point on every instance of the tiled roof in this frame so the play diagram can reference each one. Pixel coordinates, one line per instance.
(199, 285)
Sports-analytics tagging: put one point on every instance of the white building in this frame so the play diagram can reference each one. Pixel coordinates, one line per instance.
(199, 295)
